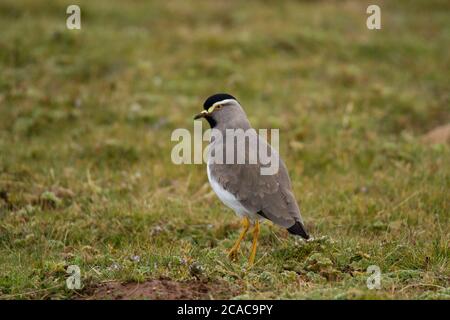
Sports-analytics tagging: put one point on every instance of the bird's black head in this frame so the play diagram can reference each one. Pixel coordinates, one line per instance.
(213, 104)
(216, 98)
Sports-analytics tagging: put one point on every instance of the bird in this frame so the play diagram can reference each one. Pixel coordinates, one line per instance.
(241, 186)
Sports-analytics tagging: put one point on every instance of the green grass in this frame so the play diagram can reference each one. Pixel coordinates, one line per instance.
(86, 118)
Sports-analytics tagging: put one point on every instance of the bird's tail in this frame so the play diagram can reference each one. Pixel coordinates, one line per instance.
(299, 229)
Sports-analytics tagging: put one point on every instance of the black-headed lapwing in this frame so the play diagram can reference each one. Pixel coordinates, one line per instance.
(241, 186)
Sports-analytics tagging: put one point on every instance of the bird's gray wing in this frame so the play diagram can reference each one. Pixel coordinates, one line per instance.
(270, 196)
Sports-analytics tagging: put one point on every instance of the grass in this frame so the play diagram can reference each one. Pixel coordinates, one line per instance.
(86, 119)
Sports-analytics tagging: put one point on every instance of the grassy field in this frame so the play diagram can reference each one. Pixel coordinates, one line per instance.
(86, 176)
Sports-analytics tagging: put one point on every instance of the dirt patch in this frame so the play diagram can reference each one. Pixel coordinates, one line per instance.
(438, 135)
(163, 289)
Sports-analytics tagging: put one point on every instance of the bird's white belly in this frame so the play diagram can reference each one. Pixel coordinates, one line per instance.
(228, 198)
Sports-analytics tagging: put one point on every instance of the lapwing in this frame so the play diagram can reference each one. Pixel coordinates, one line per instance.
(241, 186)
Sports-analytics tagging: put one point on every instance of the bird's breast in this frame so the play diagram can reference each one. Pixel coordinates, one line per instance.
(225, 196)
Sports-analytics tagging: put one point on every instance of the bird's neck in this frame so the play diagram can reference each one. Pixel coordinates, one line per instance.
(243, 124)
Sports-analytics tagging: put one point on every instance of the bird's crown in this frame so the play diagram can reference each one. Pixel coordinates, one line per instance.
(216, 98)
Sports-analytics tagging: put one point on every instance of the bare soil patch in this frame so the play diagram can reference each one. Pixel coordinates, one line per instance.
(439, 134)
(163, 289)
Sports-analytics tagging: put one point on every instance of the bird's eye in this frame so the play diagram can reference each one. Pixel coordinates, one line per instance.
(219, 106)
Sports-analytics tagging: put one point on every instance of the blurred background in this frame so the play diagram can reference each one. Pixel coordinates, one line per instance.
(86, 119)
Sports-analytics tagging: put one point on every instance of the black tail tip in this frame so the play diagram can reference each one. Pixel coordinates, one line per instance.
(299, 229)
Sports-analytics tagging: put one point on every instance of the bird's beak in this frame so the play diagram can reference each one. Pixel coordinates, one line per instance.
(206, 113)
(202, 114)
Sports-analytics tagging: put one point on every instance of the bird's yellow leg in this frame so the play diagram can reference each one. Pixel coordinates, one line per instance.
(251, 260)
(233, 252)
